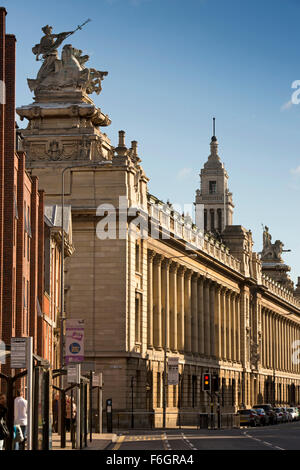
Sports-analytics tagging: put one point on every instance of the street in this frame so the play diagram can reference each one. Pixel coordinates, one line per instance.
(278, 437)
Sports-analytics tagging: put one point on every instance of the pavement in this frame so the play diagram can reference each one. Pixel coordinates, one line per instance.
(99, 441)
(275, 437)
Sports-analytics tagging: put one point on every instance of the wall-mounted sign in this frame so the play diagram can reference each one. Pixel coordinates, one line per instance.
(173, 376)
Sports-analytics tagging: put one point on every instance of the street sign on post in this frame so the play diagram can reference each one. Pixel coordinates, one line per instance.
(173, 375)
(78, 408)
(72, 374)
(74, 341)
(18, 358)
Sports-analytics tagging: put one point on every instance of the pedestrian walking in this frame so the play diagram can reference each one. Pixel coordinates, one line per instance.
(55, 407)
(20, 408)
(70, 415)
(4, 433)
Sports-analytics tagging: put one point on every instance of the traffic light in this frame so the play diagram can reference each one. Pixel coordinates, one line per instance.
(215, 383)
(206, 382)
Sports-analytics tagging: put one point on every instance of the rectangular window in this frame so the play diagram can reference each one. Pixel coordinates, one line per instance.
(138, 256)
(212, 187)
(138, 308)
(194, 391)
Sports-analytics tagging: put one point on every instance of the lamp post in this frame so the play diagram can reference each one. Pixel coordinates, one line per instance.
(165, 384)
(94, 165)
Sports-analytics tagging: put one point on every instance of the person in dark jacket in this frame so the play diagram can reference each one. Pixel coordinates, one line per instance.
(3, 413)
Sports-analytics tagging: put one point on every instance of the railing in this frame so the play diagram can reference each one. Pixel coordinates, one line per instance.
(174, 420)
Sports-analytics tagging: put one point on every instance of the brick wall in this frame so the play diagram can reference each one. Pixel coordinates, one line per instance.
(21, 220)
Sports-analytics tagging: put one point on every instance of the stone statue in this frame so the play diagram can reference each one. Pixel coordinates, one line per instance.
(267, 238)
(69, 72)
(271, 251)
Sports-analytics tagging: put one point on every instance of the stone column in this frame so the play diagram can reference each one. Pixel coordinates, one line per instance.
(218, 319)
(206, 319)
(233, 329)
(212, 318)
(166, 304)
(238, 329)
(223, 322)
(157, 317)
(284, 343)
(195, 326)
(267, 340)
(180, 293)
(289, 346)
(264, 337)
(151, 255)
(228, 325)
(281, 343)
(188, 311)
(276, 341)
(200, 305)
(271, 340)
(173, 306)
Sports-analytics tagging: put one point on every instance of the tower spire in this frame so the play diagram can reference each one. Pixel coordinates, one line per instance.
(214, 206)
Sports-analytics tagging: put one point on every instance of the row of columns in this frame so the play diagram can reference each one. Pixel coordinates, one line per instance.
(189, 313)
(279, 336)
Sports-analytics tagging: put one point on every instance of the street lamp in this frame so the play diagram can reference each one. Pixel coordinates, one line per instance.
(94, 165)
(165, 384)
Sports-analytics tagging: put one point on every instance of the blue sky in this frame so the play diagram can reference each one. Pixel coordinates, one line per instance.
(175, 64)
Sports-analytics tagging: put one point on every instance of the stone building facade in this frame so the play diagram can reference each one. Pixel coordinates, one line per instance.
(146, 280)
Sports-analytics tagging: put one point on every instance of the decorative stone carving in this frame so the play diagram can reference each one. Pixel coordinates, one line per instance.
(271, 251)
(54, 150)
(69, 72)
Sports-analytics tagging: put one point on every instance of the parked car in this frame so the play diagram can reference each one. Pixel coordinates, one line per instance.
(264, 418)
(249, 417)
(293, 413)
(280, 415)
(289, 415)
(285, 415)
(269, 412)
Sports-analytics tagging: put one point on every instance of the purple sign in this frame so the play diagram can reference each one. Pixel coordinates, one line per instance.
(74, 341)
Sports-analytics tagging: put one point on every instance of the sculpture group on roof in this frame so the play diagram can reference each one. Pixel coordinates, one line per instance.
(65, 73)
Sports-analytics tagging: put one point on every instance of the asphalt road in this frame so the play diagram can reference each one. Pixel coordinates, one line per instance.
(278, 437)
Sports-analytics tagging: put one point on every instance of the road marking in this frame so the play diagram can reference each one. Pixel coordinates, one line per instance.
(119, 442)
(188, 442)
(263, 442)
(165, 441)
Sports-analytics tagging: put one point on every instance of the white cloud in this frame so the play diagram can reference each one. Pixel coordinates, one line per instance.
(296, 171)
(286, 105)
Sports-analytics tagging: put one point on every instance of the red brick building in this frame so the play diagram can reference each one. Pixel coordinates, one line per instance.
(30, 234)
(21, 219)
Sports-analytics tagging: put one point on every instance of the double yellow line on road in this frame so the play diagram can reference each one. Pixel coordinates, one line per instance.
(119, 443)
